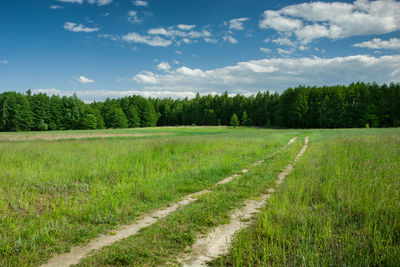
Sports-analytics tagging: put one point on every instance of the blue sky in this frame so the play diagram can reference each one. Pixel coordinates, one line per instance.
(175, 48)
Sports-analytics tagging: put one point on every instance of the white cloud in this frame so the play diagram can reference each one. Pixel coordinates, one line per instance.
(51, 91)
(285, 51)
(190, 72)
(133, 17)
(71, 1)
(249, 77)
(377, 43)
(185, 27)
(265, 50)
(140, 3)
(100, 2)
(145, 39)
(276, 74)
(164, 66)
(283, 41)
(78, 27)
(4, 61)
(146, 77)
(171, 32)
(56, 7)
(230, 39)
(84, 80)
(335, 20)
(92, 2)
(274, 20)
(107, 36)
(237, 24)
(182, 33)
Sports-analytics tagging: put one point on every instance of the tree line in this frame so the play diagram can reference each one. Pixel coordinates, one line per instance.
(356, 105)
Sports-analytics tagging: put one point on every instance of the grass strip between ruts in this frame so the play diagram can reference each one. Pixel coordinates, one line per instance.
(160, 243)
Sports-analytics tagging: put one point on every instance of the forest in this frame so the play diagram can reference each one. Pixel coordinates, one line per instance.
(357, 105)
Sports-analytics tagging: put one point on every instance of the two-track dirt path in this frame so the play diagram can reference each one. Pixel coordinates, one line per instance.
(217, 242)
(78, 253)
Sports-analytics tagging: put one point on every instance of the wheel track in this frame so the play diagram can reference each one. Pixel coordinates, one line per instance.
(78, 253)
(217, 242)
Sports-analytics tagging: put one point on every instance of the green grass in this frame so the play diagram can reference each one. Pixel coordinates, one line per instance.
(339, 207)
(163, 241)
(56, 194)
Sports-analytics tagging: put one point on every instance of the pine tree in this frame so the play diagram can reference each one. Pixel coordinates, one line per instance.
(245, 119)
(234, 121)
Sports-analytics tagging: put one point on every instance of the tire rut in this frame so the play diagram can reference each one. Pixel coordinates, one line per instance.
(217, 242)
(76, 254)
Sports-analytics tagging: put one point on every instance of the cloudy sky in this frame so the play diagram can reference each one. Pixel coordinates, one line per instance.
(175, 48)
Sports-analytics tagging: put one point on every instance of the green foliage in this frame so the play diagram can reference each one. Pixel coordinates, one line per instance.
(114, 117)
(15, 112)
(351, 106)
(40, 106)
(234, 121)
(245, 119)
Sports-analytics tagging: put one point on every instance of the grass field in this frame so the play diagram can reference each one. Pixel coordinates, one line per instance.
(340, 206)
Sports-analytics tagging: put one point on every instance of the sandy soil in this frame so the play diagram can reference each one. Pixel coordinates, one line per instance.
(50, 136)
(218, 241)
(78, 253)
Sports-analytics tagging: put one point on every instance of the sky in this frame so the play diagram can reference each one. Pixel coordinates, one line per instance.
(176, 48)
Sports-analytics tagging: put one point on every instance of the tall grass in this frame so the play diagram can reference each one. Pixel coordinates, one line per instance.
(339, 207)
(55, 194)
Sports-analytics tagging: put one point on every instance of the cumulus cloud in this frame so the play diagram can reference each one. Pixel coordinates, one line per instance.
(377, 43)
(84, 80)
(249, 77)
(146, 77)
(230, 39)
(182, 33)
(172, 32)
(146, 39)
(276, 74)
(185, 27)
(71, 26)
(164, 66)
(284, 41)
(335, 20)
(140, 3)
(237, 24)
(100, 2)
(274, 20)
(265, 50)
(4, 61)
(92, 2)
(285, 51)
(71, 1)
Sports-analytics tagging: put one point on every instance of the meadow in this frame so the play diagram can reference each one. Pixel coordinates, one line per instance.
(339, 205)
